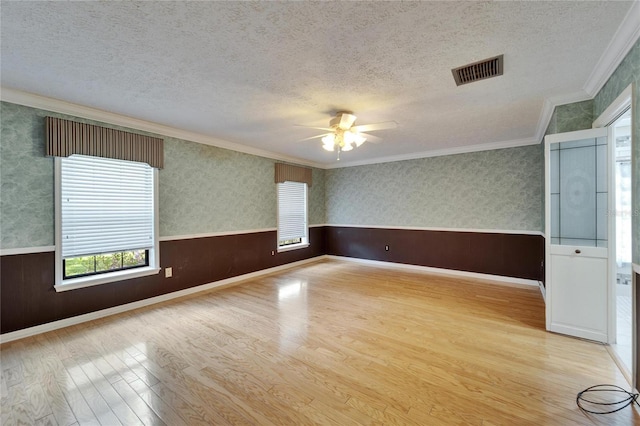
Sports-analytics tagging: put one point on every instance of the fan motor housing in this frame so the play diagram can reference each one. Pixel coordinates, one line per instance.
(334, 123)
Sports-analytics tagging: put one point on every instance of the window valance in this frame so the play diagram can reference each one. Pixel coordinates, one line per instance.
(291, 173)
(66, 137)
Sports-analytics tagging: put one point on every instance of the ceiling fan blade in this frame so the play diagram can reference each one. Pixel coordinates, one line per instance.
(376, 126)
(326, 129)
(371, 138)
(314, 137)
(346, 121)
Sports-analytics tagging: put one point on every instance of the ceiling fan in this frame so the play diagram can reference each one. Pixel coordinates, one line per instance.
(343, 134)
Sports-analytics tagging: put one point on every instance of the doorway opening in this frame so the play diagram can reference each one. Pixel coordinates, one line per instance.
(621, 131)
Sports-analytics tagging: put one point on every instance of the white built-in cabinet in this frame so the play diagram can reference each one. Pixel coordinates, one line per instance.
(576, 233)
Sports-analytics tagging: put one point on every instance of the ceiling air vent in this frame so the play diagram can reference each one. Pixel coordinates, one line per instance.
(480, 70)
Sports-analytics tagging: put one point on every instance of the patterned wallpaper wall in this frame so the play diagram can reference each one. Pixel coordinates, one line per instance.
(571, 117)
(202, 188)
(500, 189)
(26, 179)
(627, 72)
(209, 189)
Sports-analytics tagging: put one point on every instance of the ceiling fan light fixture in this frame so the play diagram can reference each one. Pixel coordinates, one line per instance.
(351, 137)
(328, 142)
(345, 135)
(358, 139)
(346, 147)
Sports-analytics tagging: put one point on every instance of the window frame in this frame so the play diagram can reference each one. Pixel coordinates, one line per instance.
(305, 240)
(153, 256)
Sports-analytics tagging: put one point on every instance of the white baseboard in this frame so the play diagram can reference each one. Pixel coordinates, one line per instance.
(543, 291)
(79, 319)
(54, 325)
(439, 271)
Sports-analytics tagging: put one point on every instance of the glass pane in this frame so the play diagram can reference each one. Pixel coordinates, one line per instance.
(601, 154)
(134, 258)
(555, 215)
(554, 168)
(578, 192)
(578, 242)
(79, 266)
(578, 143)
(601, 216)
(108, 262)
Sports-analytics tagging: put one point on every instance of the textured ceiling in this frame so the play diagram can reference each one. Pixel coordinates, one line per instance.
(246, 72)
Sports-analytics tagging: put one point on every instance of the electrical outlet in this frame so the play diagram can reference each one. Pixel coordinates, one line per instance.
(168, 272)
(273, 252)
(386, 248)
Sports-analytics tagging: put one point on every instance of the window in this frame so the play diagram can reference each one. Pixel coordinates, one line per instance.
(106, 221)
(293, 231)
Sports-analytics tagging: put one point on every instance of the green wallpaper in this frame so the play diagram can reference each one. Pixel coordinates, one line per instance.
(26, 179)
(627, 72)
(571, 117)
(202, 188)
(499, 189)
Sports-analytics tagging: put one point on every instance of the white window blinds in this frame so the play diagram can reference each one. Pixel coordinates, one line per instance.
(106, 206)
(292, 211)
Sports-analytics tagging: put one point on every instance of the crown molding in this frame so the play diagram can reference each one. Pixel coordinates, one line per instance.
(616, 108)
(63, 107)
(77, 110)
(549, 106)
(545, 118)
(623, 40)
(438, 153)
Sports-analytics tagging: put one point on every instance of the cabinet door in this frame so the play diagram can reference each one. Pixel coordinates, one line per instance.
(576, 194)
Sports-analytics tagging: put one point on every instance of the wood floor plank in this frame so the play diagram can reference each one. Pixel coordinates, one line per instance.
(94, 400)
(112, 398)
(144, 412)
(73, 396)
(20, 414)
(12, 375)
(251, 414)
(330, 342)
(49, 420)
(62, 412)
(38, 403)
(190, 413)
(164, 411)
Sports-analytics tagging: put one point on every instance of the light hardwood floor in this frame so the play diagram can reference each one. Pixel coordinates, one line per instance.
(331, 342)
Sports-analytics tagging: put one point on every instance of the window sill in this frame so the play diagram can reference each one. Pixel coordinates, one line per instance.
(75, 283)
(293, 247)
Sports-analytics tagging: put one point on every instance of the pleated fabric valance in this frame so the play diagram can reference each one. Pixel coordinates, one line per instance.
(288, 172)
(66, 137)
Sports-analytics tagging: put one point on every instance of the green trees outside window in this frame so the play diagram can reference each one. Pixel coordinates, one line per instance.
(106, 262)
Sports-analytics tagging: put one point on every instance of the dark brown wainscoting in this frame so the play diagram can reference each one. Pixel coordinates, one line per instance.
(510, 255)
(29, 299)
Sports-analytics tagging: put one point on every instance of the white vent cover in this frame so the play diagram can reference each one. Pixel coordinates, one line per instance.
(480, 70)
